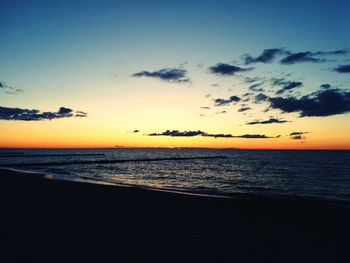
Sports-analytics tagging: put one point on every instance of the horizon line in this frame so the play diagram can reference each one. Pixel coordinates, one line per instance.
(165, 147)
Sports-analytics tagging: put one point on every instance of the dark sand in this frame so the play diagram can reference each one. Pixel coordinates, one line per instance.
(57, 221)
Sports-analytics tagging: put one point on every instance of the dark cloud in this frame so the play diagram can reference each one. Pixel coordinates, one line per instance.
(301, 57)
(205, 108)
(223, 102)
(269, 121)
(36, 115)
(227, 69)
(268, 55)
(298, 135)
(176, 133)
(136, 131)
(218, 135)
(221, 112)
(342, 69)
(243, 108)
(256, 136)
(308, 56)
(322, 103)
(260, 98)
(175, 75)
(330, 53)
(288, 85)
(325, 86)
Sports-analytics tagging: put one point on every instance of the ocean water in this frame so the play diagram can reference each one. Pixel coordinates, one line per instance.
(320, 174)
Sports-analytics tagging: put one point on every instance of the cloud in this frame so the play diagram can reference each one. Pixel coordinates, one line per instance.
(301, 57)
(36, 115)
(243, 109)
(269, 121)
(308, 56)
(218, 135)
(223, 102)
(136, 131)
(255, 87)
(330, 53)
(325, 86)
(253, 79)
(342, 69)
(227, 69)
(298, 135)
(8, 89)
(176, 133)
(81, 114)
(260, 98)
(247, 94)
(174, 75)
(205, 108)
(288, 85)
(256, 136)
(268, 55)
(322, 103)
(221, 112)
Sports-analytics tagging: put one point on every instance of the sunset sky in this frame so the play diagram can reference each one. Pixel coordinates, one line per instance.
(222, 74)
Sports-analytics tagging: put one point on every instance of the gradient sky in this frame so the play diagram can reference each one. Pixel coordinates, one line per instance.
(83, 56)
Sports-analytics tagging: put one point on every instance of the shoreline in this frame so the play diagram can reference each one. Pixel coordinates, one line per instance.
(50, 221)
(329, 201)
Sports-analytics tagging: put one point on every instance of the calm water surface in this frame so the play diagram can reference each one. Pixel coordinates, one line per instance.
(321, 174)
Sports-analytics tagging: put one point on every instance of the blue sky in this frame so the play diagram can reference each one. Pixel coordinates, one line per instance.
(81, 54)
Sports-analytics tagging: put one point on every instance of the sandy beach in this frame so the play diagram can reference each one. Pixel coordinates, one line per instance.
(55, 221)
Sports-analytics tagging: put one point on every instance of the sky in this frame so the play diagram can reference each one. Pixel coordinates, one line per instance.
(219, 74)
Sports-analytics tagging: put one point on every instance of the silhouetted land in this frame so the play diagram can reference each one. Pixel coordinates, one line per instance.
(58, 221)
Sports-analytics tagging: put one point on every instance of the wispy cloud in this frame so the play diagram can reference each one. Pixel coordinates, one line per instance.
(8, 89)
(269, 121)
(288, 85)
(308, 56)
(176, 133)
(267, 56)
(256, 87)
(175, 75)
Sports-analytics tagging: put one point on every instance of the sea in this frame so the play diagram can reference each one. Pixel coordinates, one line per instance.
(289, 173)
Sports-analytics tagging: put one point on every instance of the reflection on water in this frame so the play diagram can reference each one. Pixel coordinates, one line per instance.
(324, 174)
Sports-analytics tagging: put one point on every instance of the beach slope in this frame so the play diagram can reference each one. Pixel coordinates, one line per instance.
(55, 221)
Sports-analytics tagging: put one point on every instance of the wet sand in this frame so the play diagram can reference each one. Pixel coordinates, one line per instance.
(56, 221)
